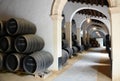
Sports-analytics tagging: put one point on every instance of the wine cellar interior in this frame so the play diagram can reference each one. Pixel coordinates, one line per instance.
(55, 40)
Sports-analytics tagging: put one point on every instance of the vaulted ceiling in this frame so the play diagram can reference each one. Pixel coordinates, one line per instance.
(92, 13)
(96, 2)
(97, 21)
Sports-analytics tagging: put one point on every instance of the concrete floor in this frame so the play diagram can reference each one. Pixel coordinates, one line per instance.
(88, 66)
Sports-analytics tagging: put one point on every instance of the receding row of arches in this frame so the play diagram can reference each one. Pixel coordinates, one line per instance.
(95, 23)
(100, 24)
(73, 18)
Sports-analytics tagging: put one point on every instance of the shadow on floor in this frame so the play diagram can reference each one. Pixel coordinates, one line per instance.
(105, 61)
(106, 70)
(104, 65)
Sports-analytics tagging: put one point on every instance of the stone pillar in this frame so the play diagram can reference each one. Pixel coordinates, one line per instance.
(115, 21)
(84, 36)
(88, 38)
(79, 35)
(57, 19)
(68, 33)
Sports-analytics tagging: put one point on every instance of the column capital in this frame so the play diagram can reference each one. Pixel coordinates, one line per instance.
(56, 17)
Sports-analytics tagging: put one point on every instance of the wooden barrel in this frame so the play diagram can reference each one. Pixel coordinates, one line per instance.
(3, 28)
(14, 62)
(37, 62)
(6, 44)
(18, 26)
(75, 49)
(65, 56)
(82, 48)
(70, 51)
(78, 47)
(64, 44)
(75, 43)
(28, 43)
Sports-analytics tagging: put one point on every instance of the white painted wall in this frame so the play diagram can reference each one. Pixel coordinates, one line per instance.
(36, 11)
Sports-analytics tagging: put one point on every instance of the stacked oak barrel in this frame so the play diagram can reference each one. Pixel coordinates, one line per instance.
(21, 49)
(65, 54)
(68, 52)
(75, 44)
(94, 42)
(82, 45)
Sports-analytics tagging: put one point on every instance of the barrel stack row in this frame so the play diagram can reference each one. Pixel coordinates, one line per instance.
(94, 42)
(21, 49)
(65, 54)
(68, 52)
(75, 44)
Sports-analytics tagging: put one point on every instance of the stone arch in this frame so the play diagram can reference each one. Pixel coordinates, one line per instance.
(81, 18)
(58, 6)
(90, 7)
(69, 13)
(89, 30)
(101, 33)
(85, 25)
(98, 28)
(95, 19)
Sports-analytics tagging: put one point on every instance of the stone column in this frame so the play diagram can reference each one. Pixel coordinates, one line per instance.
(115, 21)
(88, 38)
(84, 36)
(68, 33)
(57, 19)
(79, 35)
